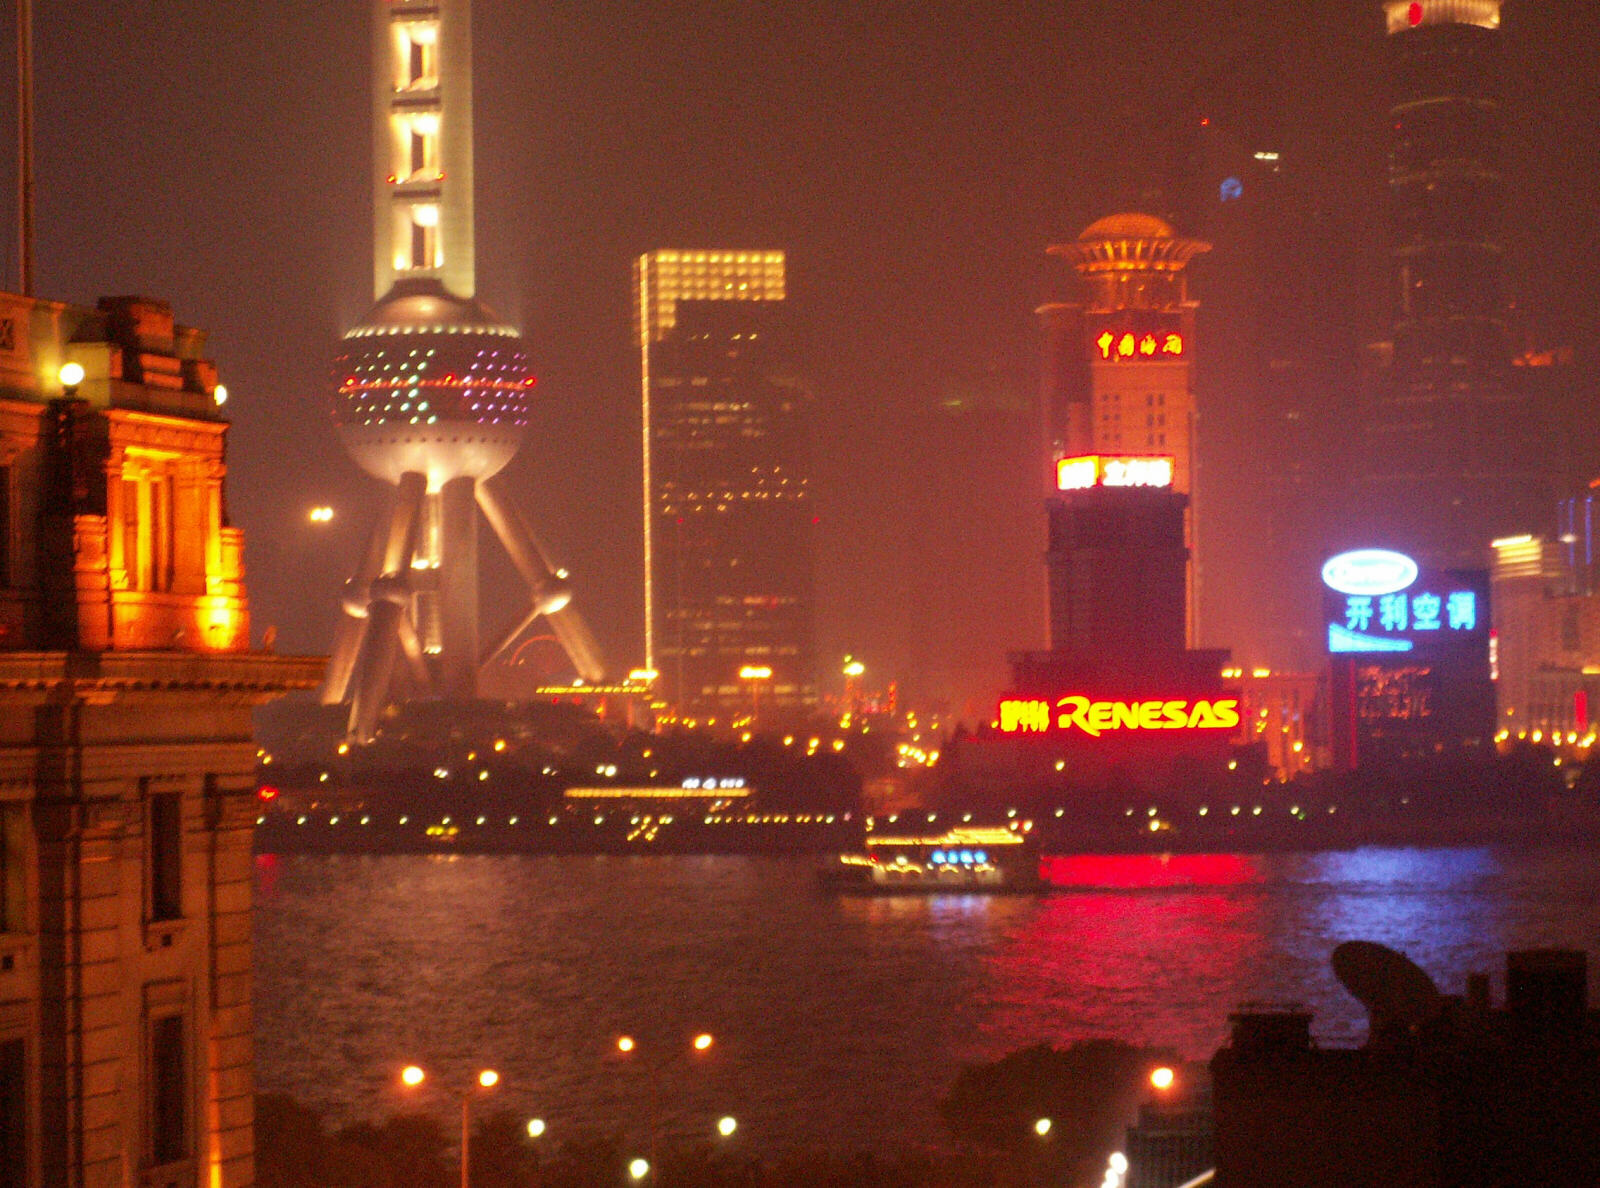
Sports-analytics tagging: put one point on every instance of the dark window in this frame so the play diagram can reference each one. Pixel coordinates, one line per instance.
(13, 865)
(169, 1141)
(166, 857)
(5, 525)
(13, 1115)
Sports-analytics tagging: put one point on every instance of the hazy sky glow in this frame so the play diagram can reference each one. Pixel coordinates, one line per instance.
(913, 160)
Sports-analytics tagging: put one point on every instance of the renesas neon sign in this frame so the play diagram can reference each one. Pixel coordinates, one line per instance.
(1119, 470)
(1095, 718)
(1378, 600)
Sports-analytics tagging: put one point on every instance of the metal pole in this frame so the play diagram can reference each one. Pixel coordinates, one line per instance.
(25, 144)
(465, 1138)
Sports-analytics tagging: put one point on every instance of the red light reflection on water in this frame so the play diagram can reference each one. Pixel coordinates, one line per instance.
(267, 873)
(1083, 965)
(1123, 871)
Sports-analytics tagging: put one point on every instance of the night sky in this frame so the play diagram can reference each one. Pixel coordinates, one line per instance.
(914, 160)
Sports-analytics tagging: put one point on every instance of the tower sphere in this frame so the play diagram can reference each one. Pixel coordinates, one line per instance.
(433, 383)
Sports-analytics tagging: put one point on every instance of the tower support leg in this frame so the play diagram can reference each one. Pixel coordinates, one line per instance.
(458, 588)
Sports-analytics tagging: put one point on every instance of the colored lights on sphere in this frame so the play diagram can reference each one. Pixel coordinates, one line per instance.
(433, 383)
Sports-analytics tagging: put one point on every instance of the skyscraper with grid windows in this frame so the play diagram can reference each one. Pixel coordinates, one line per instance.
(727, 499)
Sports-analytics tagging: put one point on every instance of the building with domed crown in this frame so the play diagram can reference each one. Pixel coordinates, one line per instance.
(1117, 388)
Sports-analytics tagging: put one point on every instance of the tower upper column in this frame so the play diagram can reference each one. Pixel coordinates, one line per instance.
(422, 226)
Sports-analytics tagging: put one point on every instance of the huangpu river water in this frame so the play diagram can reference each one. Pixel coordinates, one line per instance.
(839, 1022)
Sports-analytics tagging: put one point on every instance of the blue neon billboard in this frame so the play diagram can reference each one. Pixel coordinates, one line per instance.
(1378, 600)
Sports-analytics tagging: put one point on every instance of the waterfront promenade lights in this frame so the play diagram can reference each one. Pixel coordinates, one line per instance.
(651, 1060)
(412, 1076)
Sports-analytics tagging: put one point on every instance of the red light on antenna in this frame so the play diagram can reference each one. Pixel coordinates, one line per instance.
(1414, 15)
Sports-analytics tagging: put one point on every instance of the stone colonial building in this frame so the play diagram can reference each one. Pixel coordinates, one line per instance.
(126, 761)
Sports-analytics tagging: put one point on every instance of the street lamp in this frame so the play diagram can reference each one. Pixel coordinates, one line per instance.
(626, 1045)
(1162, 1078)
(726, 1126)
(411, 1076)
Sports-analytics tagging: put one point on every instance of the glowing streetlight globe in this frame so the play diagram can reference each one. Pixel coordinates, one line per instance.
(70, 375)
(536, 1127)
(1163, 1077)
(726, 1126)
(1042, 1127)
(412, 1075)
(639, 1168)
(703, 1041)
(625, 1043)
(488, 1078)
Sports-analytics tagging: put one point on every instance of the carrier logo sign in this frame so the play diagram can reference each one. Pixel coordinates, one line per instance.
(1369, 572)
(1019, 715)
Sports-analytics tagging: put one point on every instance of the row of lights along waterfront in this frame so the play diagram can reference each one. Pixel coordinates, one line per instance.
(413, 1076)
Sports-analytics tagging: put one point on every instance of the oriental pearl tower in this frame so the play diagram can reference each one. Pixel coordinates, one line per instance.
(432, 396)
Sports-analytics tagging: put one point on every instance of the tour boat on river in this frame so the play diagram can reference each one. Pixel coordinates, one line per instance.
(966, 858)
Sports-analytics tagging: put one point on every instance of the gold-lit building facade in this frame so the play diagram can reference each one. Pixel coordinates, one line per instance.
(1546, 642)
(127, 793)
(727, 499)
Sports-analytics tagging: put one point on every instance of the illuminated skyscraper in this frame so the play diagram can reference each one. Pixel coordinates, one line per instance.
(1453, 450)
(727, 497)
(1117, 379)
(432, 395)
